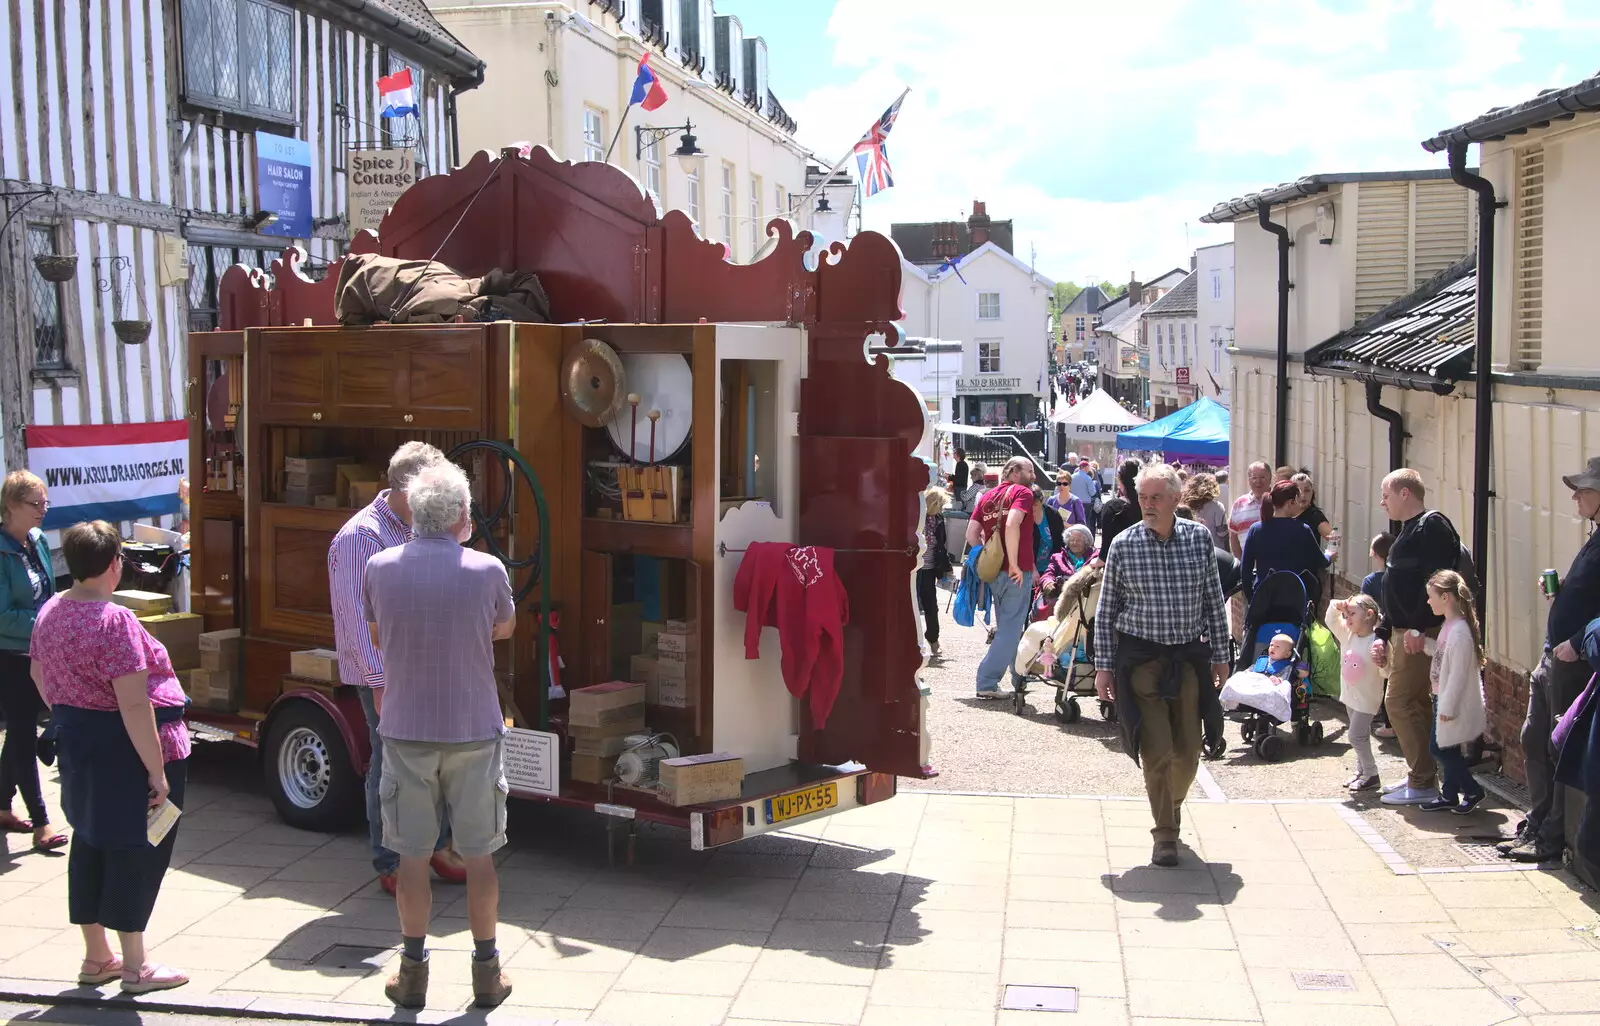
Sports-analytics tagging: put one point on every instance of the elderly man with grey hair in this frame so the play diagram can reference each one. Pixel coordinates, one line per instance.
(435, 610)
(379, 525)
(1160, 636)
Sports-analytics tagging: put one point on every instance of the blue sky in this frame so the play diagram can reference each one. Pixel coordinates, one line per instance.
(1105, 130)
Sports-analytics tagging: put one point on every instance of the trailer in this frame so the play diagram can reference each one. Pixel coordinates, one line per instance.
(773, 424)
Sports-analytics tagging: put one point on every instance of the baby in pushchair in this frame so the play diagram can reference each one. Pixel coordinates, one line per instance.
(1272, 682)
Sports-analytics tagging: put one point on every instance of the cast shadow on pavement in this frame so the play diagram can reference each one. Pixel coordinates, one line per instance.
(1182, 893)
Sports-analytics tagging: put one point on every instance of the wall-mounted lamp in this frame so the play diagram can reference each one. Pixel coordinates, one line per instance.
(1325, 220)
(822, 204)
(259, 220)
(690, 156)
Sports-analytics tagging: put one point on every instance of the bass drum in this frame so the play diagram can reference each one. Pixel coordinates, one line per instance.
(662, 381)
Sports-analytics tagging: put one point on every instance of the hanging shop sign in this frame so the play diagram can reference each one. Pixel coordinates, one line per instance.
(374, 180)
(283, 184)
(1182, 374)
(109, 471)
(990, 384)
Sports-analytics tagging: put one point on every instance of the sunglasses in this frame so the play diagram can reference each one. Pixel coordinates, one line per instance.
(42, 505)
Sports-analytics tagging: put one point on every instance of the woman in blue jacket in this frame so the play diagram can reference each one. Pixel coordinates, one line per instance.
(1279, 541)
(26, 581)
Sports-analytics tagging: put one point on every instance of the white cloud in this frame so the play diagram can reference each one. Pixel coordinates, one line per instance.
(1104, 131)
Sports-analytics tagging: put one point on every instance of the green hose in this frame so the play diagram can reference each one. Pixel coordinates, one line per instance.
(537, 562)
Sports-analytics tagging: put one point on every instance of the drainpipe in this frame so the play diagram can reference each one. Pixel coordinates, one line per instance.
(1483, 353)
(1281, 444)
(1397, 434)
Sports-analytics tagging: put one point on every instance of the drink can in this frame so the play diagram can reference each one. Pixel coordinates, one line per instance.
(1551, 582)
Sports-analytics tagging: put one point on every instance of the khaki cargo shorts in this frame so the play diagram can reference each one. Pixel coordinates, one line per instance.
(424, 779)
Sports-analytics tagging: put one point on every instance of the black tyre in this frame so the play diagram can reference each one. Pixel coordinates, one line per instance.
(1068, 710)
(1270, 747)
(1316, 733)
(308, 772)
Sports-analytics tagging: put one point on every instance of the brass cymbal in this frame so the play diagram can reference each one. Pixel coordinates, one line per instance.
(592, 383)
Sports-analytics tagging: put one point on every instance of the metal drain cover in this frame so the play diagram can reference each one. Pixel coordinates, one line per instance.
(1041, 999)
(352, 956)
(1307, 980)
(1478, 852)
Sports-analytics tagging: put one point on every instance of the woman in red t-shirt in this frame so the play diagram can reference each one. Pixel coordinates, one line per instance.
(1008, 509)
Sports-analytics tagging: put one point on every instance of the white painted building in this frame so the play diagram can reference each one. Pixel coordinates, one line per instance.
(562, 73)
(1214, 305)
(1000, 313)
(129, 138)
(1172, 326)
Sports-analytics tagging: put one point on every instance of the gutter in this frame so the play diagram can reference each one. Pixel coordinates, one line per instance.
(1557, 105)
(1369, 374)
(1483, 354)
(1281, 444)
(463, 64)
(1397, 434)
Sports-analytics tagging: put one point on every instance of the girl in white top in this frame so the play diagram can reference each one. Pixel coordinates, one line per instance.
(1457, 674)
(1361, 682)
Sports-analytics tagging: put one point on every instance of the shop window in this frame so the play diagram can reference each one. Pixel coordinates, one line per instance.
(594, 134)
(693, 205)
(49, 323)
(727, 206)
(207, 264)
(755, 215)
(652, 170)
(988, 357)
(988, 306)
(238, 56)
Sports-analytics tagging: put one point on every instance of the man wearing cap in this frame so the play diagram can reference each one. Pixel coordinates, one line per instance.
(1557, 681)
(1083, 489)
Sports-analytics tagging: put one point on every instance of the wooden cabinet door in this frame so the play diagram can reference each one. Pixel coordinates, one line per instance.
(432, 383)
(219, 573)
(294, 379)
(290, 571)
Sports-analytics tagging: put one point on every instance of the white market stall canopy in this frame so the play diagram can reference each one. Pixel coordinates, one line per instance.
(1098, 417)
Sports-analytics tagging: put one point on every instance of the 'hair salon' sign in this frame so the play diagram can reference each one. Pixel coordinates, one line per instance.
(988, 384)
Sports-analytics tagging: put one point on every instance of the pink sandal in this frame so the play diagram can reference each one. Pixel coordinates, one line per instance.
(151, 978)
(95, 974)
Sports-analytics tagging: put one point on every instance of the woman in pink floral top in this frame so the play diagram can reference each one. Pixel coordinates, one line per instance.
(118, 710)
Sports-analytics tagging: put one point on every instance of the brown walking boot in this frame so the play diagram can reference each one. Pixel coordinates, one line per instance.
(1165, 853)
(490, 986)
(408, 987)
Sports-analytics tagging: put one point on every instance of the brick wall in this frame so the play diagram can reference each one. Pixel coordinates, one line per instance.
(1505, 696)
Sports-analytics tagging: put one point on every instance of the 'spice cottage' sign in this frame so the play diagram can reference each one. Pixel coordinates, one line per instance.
(283, 184)
(375, 179)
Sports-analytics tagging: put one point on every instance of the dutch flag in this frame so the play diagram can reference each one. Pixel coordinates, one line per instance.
(396, 94)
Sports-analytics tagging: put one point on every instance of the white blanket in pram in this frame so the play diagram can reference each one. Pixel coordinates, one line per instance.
(1271, 695)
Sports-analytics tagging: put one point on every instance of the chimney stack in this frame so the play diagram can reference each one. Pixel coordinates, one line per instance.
(978, 224)
(1135, 290)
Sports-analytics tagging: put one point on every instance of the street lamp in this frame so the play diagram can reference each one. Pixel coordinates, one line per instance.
(690, 156)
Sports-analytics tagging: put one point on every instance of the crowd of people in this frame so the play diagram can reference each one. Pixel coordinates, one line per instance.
(1164, 548)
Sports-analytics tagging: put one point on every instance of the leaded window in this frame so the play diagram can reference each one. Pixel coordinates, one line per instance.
(207, 264)
(49, 326)
(238, 56)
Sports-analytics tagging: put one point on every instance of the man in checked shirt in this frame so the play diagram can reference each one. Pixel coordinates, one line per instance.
(1160, 609)
(381, 524)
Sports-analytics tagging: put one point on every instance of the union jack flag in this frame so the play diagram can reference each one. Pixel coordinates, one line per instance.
(872, 156)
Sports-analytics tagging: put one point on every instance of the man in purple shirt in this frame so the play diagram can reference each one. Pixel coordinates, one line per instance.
(379, 525)
(435, 610)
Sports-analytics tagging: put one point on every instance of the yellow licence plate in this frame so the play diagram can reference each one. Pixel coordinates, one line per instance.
(803, 803)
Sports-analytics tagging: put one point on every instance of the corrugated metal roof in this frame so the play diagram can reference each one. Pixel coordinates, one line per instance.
(1431, 332)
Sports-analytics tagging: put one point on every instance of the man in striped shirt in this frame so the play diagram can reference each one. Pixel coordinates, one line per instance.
(381, 524)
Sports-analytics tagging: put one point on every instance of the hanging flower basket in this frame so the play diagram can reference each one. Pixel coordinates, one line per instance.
(56, 268)
(132, 333)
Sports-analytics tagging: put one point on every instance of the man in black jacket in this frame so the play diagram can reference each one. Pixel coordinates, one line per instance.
(1426, 544)
(1557, 681)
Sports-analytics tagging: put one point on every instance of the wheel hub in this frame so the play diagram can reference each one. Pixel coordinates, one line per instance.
(305, 768)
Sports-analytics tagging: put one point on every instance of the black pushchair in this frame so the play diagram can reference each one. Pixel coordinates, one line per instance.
(1283, 604)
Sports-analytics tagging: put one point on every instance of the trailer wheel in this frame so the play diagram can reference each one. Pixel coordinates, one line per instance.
(308, 771)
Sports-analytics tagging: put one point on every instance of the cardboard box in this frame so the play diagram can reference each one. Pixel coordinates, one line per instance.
(186, 681)
(697, 779)
(592, 769)
(612, 745)
(310, 482)
(356, 473)
(363, 492)
(608, 719)
(587, 703)
(218, 690)
(329, 501)
(315, 664)
(672, 686)
(150, 602)
(633, 725)
(313, 464)
(674, 648)
(221, 641)
(180, 634)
